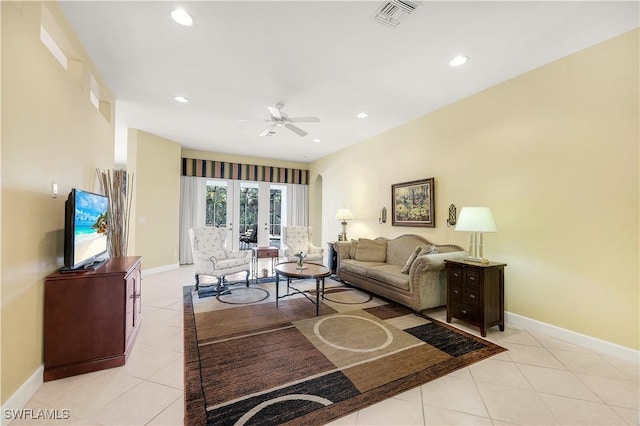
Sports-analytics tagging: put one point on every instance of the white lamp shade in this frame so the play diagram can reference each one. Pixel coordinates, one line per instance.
(344, 214)
(476, 219)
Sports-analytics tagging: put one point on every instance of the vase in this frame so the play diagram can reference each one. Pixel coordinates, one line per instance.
(300, 264)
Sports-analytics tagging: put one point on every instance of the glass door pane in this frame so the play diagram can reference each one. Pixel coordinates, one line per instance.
(277, 213)
(248, 220)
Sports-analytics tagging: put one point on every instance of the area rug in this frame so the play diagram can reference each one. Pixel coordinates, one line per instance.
(258, 364)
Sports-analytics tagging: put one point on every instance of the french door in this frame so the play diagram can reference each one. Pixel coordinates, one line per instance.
(252, 212)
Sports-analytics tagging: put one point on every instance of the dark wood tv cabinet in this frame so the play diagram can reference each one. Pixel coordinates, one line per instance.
(91, 318)
(475, 293)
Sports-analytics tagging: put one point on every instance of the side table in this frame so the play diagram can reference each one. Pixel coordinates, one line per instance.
(263, 253)
(475, 293)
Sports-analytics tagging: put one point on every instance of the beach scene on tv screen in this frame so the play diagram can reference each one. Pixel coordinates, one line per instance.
(90, 226)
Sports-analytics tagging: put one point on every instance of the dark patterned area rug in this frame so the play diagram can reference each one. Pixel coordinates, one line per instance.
(255, 364)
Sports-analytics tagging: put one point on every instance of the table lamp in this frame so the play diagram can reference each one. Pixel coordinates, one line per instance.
(343, 215)
(476, 220)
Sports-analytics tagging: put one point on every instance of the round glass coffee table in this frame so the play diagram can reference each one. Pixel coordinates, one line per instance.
(310, 270)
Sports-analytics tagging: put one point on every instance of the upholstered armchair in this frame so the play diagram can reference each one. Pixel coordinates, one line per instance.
(296, 239)
(211, 257)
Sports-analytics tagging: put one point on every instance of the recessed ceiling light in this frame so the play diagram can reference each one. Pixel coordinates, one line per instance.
(363, 115)
(181, 99)
(458, 60)
(182, 17)
(316, 140)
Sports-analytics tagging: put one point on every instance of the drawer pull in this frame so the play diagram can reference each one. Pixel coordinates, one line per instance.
(472, 278)
(464, 311)
(472, 296)
(455, 291)
(455, 274)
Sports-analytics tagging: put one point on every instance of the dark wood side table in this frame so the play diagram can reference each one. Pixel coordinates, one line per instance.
(332, 259)
(475, 293)
(91, 318)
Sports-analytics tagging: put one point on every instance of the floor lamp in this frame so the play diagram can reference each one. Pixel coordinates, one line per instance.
(476, 220)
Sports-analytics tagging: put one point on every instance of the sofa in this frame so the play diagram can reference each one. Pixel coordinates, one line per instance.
(407, 269)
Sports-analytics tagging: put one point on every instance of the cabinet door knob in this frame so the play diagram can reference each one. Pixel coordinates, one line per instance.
(472, 296)
(472, 278)
(463, 311)
(455, 291)
(455, 274)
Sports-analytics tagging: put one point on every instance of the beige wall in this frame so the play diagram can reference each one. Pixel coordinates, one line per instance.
(554, 153)
(50, 133)
(155, 163)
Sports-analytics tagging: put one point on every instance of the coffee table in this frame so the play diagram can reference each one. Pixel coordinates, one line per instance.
(311, 270)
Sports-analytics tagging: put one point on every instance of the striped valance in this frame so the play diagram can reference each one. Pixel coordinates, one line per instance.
(224, 170)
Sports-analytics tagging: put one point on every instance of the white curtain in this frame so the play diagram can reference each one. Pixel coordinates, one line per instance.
(298, 205)
(192, 212)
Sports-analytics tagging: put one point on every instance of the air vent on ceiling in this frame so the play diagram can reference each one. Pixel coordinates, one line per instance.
(393, 11)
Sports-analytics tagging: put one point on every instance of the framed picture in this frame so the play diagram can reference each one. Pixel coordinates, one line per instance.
(413, 203)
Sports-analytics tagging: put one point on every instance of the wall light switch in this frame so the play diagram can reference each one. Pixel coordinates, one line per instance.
(54, 190)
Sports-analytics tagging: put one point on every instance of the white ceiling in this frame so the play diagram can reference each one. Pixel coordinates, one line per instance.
(320, 58)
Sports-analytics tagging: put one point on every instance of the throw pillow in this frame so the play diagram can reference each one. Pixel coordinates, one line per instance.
(371, 250)
(407, 266)
(429, 250)
(352, 249)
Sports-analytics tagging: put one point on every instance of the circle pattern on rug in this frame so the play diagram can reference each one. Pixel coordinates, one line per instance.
(244, 296)
(360, 340)
(347, 296)
(295, 397)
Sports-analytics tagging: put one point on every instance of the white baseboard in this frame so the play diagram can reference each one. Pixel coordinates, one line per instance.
(160, 269)
(595, 344)
(24, 393)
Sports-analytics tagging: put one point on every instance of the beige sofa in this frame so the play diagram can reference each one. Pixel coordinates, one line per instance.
(408, 269)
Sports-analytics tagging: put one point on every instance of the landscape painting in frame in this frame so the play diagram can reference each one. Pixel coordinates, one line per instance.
(413, 203)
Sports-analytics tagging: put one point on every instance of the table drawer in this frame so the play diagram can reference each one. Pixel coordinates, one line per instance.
(466, 312)
(471, 295)
(473, 277)
(267, 253)
(455, 275)
(455, 293)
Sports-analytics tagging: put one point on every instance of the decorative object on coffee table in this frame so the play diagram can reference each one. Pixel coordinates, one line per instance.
(413, 203)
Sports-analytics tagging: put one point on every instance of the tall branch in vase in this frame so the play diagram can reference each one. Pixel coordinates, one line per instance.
(117, 186)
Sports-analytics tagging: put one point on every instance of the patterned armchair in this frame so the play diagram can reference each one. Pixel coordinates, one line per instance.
(212, 258)
(296, 239)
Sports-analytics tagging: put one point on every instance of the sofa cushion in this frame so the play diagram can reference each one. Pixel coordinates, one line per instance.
(353, 248)
(357, 266)
(389, 274)
(371, 250)
(407, 266)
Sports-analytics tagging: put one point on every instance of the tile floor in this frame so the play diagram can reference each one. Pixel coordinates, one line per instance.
(539, 381)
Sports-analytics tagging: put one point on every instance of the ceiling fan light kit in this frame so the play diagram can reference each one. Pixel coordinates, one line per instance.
(281, 119)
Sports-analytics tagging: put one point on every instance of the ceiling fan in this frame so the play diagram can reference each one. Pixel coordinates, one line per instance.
(281, 119)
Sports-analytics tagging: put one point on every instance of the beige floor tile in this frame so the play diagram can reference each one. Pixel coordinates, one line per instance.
(630, 369)
(463, 373)
(53, 392)
(154, 334)
(90, 396)
(631, 417)
(571, 411)
(499, 373)
(588, 363)
(165, 317)
(173, 415)
(516, 406)
(145, 361)
(531, 355)
(138, 406)
(412, 395)
(619, 393)
(553, 343)
(392, 412)
(510, 335)
(442, 416)
(172, 375)
(348, 420)
(556, 382)
(454, 393)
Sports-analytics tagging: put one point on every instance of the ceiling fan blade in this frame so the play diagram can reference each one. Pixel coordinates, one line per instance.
(304, 119)
(275, 112)
(269, 131)
(295, 129)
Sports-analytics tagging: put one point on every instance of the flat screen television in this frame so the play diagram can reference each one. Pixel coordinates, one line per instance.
(85, 230)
